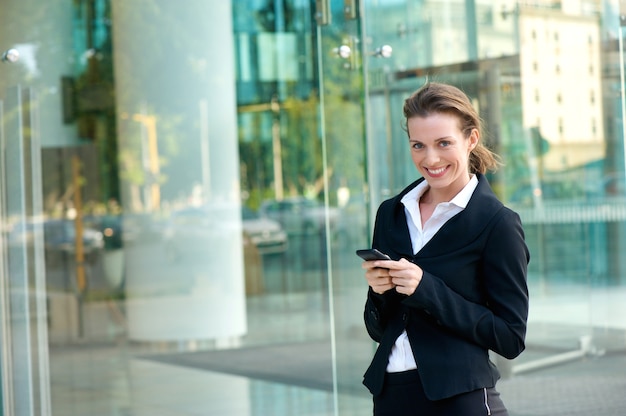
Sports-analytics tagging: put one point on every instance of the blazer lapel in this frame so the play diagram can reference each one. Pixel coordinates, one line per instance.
(396, 229)
(466, 225)
(399, 235)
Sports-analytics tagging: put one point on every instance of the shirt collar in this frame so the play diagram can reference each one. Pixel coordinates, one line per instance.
(460, 200)
(463, 197)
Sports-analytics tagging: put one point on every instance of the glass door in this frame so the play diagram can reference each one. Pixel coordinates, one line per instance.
(23, 326)
(175, 189)
(344, 51)
(560, 133)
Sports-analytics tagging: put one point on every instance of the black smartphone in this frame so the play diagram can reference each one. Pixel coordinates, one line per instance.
(372, 254)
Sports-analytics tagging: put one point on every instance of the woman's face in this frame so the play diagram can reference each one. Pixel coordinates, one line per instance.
(441, 152)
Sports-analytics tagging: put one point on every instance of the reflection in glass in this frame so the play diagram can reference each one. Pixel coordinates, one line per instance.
(207, 172)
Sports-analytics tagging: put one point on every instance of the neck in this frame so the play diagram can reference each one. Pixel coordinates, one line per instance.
(439, 195)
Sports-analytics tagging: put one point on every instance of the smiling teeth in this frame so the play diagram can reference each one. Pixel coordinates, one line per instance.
(437, 171)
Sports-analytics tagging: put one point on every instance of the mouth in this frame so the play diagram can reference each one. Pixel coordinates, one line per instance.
(436, 172)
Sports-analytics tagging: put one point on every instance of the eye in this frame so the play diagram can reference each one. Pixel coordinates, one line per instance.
(417, 145)
(444, 143)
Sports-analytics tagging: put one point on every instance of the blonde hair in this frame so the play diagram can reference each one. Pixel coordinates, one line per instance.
(443, 98)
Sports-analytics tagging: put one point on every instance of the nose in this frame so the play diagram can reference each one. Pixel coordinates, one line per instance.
(431, 157)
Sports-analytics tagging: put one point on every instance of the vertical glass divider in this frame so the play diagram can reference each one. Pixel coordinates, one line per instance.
(622, 90)
(25, 339)
(6, 391)
(39, 344)
(331, 300)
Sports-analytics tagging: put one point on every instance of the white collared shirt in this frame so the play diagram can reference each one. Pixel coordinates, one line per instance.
(401, 357)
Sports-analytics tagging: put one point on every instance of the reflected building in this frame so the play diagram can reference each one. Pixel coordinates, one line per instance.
(558, 50)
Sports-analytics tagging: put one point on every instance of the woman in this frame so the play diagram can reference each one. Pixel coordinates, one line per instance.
(456, 285)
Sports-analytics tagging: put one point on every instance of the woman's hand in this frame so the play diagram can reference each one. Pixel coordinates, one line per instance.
(377, 276)
(402, 275)
(406, 276)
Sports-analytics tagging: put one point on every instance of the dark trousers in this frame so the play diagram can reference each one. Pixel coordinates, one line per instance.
(403, 395)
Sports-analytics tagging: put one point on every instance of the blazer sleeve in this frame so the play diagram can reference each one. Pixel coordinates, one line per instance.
(378, 311)
(498, 324)
(380, 308)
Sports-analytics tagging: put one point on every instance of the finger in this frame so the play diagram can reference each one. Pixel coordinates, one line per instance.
(382, 288)
(377, 273)
(405, 285)
(375, 279)
(371, 264)
(383, 264)
(395, 265)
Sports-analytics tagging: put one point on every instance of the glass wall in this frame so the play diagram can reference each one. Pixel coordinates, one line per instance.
(182, 190)
(546, 77)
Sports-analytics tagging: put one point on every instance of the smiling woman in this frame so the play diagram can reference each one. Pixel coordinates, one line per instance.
(455, 287)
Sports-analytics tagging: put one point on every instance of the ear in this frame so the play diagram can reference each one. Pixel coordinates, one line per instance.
(473, 138)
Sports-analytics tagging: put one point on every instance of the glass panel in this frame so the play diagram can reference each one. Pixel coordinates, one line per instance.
(23, 335)
(282, 191)
(341, 48)
(545, 79)
(192, 203)
(306, 172)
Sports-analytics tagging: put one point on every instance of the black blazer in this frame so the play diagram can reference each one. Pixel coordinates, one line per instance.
(473, 296)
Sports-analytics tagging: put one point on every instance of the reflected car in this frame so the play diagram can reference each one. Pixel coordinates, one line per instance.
(189, 229)
(267, 235)
(111, 228)
(59, 237)
(300, 215)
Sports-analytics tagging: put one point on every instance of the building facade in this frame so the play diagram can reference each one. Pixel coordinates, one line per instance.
(183, 187)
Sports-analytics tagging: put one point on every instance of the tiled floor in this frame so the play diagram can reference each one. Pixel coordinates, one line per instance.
(100, 381)
(111, 379)
(115, 378)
